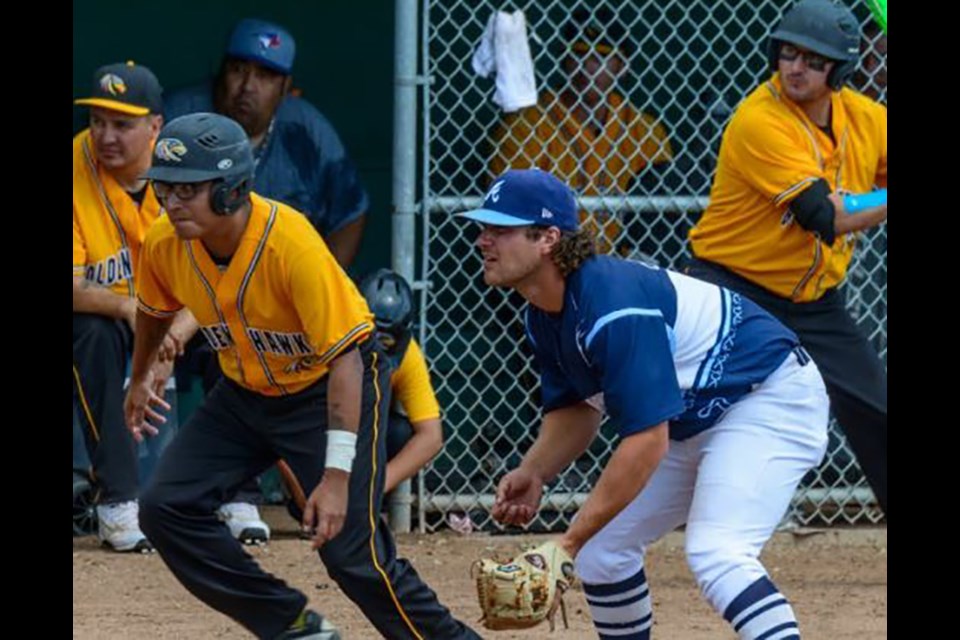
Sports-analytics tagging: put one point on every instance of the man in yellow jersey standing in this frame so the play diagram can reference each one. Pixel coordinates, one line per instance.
(112, 209)
(777, 227)
(304, 384)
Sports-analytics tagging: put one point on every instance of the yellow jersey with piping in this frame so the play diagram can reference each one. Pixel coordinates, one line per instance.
(593, 162)
(412, 388)
(277, 314)
(770, 153)
(108, 225)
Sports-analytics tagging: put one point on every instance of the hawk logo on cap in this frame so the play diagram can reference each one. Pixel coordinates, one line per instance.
(268, 40)
(113, 84)
(170, 150)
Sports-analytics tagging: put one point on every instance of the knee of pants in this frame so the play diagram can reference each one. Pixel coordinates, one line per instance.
(597, 563)
(346, 557)
(157, 505)
(721, 567)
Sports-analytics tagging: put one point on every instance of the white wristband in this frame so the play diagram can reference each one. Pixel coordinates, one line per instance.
(341, 449)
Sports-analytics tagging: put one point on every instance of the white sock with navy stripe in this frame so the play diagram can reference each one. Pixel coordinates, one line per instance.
(761, 612)
(622, 610)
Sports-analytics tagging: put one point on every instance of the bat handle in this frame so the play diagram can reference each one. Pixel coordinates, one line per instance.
(860, 201)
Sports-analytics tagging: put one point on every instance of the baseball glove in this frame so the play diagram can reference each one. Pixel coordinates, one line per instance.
(522, 592)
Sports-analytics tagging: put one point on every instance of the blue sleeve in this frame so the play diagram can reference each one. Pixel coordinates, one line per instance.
(639, 380)
(342, 194)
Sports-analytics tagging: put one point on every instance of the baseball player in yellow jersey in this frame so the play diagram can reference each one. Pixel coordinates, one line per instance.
(586, 134)
(415, 433)
(777, 227)
(304, 384)
(112, 209)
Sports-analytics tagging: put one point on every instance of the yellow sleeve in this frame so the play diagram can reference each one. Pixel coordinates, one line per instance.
(412, 388)
(881, 178)
(332, 311)
(79, 248)
(771, 153)
(153, 293)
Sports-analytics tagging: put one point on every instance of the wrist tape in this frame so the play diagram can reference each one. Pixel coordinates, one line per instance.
(341, 449)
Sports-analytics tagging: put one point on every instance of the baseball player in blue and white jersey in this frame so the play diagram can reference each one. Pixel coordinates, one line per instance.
(720, 412)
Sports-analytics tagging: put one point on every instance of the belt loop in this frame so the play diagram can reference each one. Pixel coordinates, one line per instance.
(802, 356)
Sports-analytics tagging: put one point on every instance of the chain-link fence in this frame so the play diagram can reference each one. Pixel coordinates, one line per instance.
(685, 65)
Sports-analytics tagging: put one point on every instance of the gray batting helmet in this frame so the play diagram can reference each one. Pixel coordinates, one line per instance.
(822, 27)
(206, 146)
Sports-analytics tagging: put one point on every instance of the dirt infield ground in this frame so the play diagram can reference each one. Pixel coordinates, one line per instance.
(836, 579)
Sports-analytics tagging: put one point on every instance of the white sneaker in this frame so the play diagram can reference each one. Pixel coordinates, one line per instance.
(244, 522)
(119, 527)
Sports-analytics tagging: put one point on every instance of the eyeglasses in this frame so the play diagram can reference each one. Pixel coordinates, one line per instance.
(814, 61)
(183, 190)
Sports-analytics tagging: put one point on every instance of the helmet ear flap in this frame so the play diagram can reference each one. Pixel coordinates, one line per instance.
(227, 195)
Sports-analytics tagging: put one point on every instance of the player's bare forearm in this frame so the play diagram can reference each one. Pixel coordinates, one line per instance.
(426, 442)
(345, 242)
(564, 435)
(344, 391)
(89, 297)
(184, 326)
(146, 344)
(629, 469)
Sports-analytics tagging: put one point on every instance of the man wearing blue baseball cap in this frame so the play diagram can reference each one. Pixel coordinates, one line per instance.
(300, 158)
(720, 411)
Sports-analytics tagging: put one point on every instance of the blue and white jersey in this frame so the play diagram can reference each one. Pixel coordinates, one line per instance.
(658, 345)
(301, 162)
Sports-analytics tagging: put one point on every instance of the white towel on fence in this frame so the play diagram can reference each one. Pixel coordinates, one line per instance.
(504, 50)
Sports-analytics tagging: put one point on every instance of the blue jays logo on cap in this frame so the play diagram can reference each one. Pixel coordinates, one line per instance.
(522, 197)
(269, 40)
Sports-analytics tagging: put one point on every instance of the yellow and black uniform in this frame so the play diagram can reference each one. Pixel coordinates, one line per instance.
(771, 153)
(749, 240)
(593, 161)
(278, 314)
(108, 230)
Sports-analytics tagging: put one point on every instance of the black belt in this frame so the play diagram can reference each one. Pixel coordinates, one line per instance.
(802, 356)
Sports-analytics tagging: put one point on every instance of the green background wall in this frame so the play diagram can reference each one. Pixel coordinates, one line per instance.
(344, 66)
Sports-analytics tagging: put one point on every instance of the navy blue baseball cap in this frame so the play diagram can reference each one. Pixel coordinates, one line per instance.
(522, 197)
(263, 42)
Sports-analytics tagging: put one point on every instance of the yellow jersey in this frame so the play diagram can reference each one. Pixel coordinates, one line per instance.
(770, 153)
(108, 225)
(277, 314)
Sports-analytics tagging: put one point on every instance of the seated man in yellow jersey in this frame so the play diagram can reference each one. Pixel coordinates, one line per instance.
(415, 433)
(112, 209)
(587, 133)
(304, 385)
(779, 227)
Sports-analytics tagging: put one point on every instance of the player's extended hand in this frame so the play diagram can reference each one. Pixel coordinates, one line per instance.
(326, 508)
(171, 348)
(518, 497)
(140, 404)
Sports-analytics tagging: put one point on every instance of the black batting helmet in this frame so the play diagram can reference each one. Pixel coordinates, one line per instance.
(390, 299)
(822, 27)
(206, 146)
